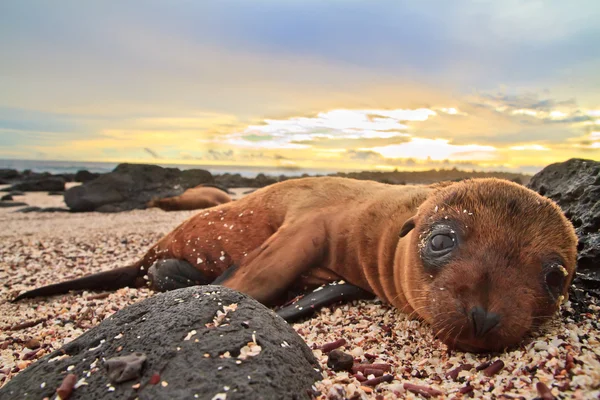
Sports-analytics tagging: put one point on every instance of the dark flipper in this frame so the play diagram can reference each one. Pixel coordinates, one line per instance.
(106, 280)
(171, 274)
(321, 297)
(225, 275)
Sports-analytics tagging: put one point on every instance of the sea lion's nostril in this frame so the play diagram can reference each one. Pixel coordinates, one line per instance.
(483, 321)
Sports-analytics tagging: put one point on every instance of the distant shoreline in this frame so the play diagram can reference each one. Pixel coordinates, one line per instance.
(56, 167)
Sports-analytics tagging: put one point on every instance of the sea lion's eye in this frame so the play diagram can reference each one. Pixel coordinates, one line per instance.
(442, 243)
(554, 277)
(438, 246)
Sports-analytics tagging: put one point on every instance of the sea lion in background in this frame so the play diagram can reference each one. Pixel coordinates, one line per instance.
(483, 261)
(193, 199)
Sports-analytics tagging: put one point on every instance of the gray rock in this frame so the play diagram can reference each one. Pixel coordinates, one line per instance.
(39, 185)
(7, 174)
(7, 204)
(85, 176)
(132, 186)
(44, 210)
(169, 332)
(575, 186)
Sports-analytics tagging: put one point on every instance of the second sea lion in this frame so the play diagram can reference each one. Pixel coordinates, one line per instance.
(195, 198)
(483, 261)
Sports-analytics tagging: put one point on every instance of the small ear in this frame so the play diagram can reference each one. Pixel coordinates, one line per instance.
(407, 227)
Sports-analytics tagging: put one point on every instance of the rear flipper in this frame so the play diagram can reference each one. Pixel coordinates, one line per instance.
(107, 280)
(173, 274)
(322, 297)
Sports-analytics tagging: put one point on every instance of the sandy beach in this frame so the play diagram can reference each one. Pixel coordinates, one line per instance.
(42, 248)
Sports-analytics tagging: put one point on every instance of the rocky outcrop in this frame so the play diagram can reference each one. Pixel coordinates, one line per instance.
(42, 209)
(204, 342)
(575, 186)
(85, 176)
(50, 184)
(8, 204)
(132, 186)
(7, 174)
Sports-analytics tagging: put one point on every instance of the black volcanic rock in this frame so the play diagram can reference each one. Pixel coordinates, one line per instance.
(176, 351)
(575, 186)
(42, 209)
(234, 180)
(132, 186)
(7, 204)
(85, 176)
(8, 174)
(50, 184)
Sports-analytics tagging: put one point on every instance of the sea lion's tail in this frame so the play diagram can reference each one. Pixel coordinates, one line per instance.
(107, 280)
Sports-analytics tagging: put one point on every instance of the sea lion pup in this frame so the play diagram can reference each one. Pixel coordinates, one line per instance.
(483, 261)
(192, 199)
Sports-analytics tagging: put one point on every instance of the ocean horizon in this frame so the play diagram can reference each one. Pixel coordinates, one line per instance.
(71, 167)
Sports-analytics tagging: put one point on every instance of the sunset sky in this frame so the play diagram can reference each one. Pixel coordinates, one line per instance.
(503, 85)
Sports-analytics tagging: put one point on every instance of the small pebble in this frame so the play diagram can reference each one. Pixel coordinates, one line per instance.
(66, 387)
(337, 360)
(494, 368)
(32, 344)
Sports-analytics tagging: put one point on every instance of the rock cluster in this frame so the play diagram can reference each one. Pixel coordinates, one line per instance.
(132, 186)
(575, 186)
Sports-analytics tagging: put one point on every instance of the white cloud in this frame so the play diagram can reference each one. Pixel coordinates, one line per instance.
(529, 147)
(436, 149)
(334, 124)
(531, 113)
(452, 111)
(279, 143)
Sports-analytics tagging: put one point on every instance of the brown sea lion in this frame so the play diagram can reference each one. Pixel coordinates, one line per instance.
(483, 261)
(192, 199)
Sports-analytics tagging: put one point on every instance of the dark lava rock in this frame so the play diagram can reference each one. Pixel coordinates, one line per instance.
(6, 204)
(6, 197)
(262, 180)
(236, 180)
(132, 186)
(39, 185)
(8, 174)
(67, 177)
(85, 176)
(233, 180)
(575, 186)
(185, 353)
(16, 193)
(44, 210)
(337, 360)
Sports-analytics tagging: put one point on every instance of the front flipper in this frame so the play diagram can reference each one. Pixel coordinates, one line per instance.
(173, 274)
(279, 261)
(321, 297)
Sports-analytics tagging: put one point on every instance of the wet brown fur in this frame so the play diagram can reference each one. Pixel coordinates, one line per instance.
(195, 198)
(305, 232)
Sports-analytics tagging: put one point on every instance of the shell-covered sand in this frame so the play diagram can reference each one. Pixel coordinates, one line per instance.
(43, 248)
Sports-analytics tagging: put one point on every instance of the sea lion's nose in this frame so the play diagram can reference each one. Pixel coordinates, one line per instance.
(483, 321)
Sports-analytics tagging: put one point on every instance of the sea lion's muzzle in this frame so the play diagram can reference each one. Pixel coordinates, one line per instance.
(483, 321)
